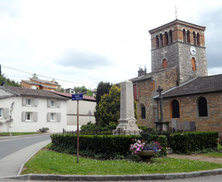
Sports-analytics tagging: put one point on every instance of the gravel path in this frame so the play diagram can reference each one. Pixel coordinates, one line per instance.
(199, 157)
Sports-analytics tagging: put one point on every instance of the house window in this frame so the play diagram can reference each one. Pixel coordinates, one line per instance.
(1, 113)
(164, 63)
(184, 36)
(202, 107)
(52, 116)
(175, 109)
(143, 112)
(161, 40)
(170, 37)
(52, 103)
(198, 39)
(188, 36)
(194, 38)
(193, 64)
(135, 92)
(28, 116)
(157, 42)
(28, 102)
(166, 38)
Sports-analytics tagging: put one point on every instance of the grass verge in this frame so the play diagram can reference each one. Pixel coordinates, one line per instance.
(18, 133)
(214, 154)
(50, 162)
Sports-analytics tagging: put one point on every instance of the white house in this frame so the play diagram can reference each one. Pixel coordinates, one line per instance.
(87, 108)
(25, 110)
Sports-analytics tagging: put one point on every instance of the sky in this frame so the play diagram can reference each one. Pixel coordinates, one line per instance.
(80, 43)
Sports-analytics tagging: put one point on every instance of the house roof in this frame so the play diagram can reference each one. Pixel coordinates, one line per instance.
(199, 85)
(31, 92)
(68, 95)
(43, 81)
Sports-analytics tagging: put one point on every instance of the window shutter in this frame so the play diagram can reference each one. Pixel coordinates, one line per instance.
(23, 101)
(35, 102)
(48, 117)
(58, 115)
(23, 116)
(35, 116)
(6, 113)
(48, 103)
(58, 104)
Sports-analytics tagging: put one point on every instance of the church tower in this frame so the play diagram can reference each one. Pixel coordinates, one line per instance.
(179, 44)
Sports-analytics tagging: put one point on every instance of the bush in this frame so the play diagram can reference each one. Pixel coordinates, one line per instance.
(99, 146)
(43, 130)
(189, 142)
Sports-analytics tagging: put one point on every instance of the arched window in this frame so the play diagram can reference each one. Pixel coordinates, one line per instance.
(198, 39)
(164, 63)
(194, 38)
(202, 107)
(188, 36)
(175, 109)
(193, 62)
(184, 36)
(143, 111)
(166, 38)
(170, 37)
(161, 40)
(157, 42)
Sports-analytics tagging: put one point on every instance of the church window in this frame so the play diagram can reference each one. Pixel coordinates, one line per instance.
(188, 36)
(164, 63)
(161, 40)
(184, 36)
(198, 39)
(143, 112)
(166, 38)
(193, 61)
(170, 37)
(194, 38)
(175, 109)
(157, 42)
(202, 107)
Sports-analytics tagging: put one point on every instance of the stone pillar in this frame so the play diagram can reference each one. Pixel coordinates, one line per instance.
(127, 122)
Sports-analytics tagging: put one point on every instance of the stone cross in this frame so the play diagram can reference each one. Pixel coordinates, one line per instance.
(127, 122)
(159, 90)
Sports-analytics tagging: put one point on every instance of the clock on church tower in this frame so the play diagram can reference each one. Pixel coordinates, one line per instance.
(179, 44)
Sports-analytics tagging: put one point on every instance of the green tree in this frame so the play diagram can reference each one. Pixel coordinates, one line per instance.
(81, 89)
(35, 76)
(108, 109)
(102, 88)
(7, 81)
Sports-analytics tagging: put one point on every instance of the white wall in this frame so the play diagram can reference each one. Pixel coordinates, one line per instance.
(30, 126)
(84, 108)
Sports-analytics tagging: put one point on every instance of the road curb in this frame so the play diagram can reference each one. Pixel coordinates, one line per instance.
(22, 136)
(43, 177)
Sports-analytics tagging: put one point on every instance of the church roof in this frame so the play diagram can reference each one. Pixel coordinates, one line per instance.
(199, 85)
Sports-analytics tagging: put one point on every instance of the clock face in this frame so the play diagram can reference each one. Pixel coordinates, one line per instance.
(193, 50)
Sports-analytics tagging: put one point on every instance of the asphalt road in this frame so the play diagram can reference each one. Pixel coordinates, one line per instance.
(11, 145)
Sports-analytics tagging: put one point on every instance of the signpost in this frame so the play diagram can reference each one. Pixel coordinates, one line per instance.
(77, 97)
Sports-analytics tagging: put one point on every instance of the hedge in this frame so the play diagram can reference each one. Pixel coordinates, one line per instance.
(189, 142)
(99, 146)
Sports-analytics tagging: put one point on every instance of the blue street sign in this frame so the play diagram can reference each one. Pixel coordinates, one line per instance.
(77, 96)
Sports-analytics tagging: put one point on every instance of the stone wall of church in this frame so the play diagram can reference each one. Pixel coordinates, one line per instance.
(185, 63)
(146, 90)
(189, 111)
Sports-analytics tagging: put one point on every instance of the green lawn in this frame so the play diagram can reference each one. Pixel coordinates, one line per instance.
(214, 154)
(17, 133)
(50, 162)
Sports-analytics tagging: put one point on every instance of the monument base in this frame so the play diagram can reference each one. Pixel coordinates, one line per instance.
(127, 127)
(162, 126)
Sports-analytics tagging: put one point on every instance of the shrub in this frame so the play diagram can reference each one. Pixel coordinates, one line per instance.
(189, 142)
(43, 130)
(99, 146)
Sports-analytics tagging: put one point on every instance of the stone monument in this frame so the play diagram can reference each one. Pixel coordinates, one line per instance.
(127, 122)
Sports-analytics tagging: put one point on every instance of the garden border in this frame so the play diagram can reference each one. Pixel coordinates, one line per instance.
(158, 176)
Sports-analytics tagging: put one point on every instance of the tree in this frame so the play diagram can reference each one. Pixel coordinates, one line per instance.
(34, 76)
(108, 109)
(7, 81)
(81, 89)
(102, 88)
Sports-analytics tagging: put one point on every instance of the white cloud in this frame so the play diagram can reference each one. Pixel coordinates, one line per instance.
(36, 35)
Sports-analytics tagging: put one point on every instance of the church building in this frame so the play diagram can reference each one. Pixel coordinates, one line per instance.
(191, 100)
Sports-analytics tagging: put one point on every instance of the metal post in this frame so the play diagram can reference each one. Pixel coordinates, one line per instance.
(77, 131)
